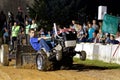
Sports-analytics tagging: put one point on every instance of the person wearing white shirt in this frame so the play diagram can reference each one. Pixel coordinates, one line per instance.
(95, 26)
(34, 25)
(117, 36)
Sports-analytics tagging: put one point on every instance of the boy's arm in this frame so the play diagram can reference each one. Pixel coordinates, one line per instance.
(34, 40)
(39, 38)
(43, 38)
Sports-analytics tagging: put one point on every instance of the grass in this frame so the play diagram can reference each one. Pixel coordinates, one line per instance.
(96, 63)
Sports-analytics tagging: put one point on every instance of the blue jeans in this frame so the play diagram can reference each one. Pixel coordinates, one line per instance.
(43, 44)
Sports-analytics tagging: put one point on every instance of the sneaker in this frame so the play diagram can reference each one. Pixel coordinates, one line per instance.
(44, 49)
(45, 52)
(48, 54)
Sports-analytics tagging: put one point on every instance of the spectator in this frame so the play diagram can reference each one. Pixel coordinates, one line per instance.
(28, 18)
(15, 32)
(10, 28)
(71, 26)
(74, 23)
(100, 24)
(107, 38)
(41, 32)
(2, 20)
(27, 27)
(112, 40)
(34, 25)
(48, 34)
(5, 36)
(95, 38)
(10, 18)
(90, 31)
(49, 39)
(81, 34)
(19, 16)
(21, 36)
(85, 27)
(95, 26)
(117, 36)
(3, 30)
(101, 36)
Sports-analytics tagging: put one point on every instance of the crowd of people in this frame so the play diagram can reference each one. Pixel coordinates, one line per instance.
(17, 29)
(92, 32)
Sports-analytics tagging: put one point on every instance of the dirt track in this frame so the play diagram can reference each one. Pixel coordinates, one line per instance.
(79, 72)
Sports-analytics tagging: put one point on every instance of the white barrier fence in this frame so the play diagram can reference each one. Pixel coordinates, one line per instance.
(107, 53)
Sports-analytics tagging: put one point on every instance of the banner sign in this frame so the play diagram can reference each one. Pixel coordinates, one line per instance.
(110, 24)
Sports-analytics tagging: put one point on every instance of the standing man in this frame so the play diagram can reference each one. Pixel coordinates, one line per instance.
(34, 25)
(74, 25)
(19, 17)
(15, 31)
(2, 19)
(27, 27)
(95, 26)
(91, 30)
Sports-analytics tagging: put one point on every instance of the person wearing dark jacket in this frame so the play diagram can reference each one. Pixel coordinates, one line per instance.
(112, 40)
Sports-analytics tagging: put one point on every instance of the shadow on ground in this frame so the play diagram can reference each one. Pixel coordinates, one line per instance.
(82, 67)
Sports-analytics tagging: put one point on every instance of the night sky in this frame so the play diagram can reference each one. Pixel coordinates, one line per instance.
(113, 6)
